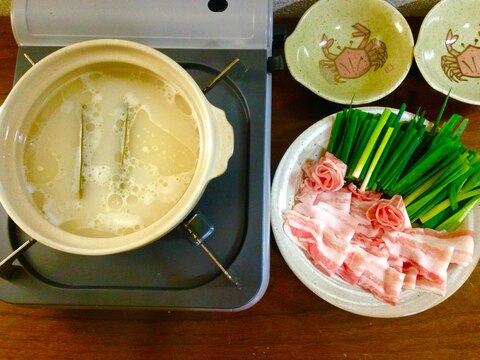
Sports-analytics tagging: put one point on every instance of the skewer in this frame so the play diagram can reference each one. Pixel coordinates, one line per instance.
(219, 265)
(219, 76)
(29, 59)
(7, 264)
(194, 237)
(198, 229)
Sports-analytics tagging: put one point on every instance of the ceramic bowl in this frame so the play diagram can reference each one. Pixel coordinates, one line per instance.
(312, 144)
(30, 93)
(346, 49)
(447, 51)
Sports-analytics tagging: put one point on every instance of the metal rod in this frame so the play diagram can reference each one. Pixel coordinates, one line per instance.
(220, 266)
(219, 76)
(6, 264)
(204, 248)
(192, 232)
(29, 59)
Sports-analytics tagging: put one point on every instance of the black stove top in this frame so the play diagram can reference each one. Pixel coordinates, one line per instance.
(171, 273)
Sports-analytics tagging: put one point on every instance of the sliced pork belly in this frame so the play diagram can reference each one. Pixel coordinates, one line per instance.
(367, 230)
(389, 214)
(301, 230)
(340, 199)
(432, 261)
(427, 285)
(326, 250)
(373, 245)
(341, 223)
(363, 194)
(358, 209)
(383, 281)
(324, 174)
(354, 265)
(373, 274)
(461, 240)
(395, 262)
(397, 201)
(368, 240)
(411, 273)
(329, 254)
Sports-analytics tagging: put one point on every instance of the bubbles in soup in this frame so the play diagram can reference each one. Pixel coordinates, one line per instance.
(110, 152)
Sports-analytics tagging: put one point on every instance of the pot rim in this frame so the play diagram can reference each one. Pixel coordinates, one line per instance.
(36, 81)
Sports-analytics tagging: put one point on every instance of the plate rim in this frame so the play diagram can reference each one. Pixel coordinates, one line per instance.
(302, 267)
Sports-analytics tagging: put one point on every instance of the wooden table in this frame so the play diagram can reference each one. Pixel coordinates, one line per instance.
(289, 321)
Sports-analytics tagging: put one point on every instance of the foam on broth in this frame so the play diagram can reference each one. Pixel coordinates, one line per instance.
(111, 151)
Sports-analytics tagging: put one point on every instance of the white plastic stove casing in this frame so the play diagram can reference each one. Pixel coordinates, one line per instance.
(244, 24)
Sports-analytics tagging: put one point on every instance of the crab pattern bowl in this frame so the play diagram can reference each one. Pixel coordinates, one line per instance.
(349, 51)
(447, 51)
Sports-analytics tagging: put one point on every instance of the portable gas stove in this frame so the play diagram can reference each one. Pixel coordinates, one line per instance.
(203, 37)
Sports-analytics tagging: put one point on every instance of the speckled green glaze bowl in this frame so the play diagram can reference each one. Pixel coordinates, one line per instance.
(447, 51)
(350, 49)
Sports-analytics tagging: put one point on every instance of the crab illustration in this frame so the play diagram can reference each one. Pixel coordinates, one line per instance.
(352, 63)
(459, 65)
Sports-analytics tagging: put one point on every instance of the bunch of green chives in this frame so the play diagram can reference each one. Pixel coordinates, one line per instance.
(426, 164)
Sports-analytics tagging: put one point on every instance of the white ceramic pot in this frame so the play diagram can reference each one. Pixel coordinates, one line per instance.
(215, 138)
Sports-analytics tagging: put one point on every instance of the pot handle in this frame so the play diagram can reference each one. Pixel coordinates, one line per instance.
(223, 137)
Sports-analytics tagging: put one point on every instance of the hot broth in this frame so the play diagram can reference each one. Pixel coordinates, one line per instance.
(111, 151)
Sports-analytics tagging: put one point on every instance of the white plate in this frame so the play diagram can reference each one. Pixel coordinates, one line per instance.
(311, 144)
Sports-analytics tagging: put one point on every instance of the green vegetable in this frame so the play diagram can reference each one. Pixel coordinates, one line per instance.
(125, 140)
(335, 136)
(351, 131)
(81, 145)
(383, 157)
(376, 158)
(454, 221)
(371, 143)
(445, 204)
(425, 163)
(364, 134)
